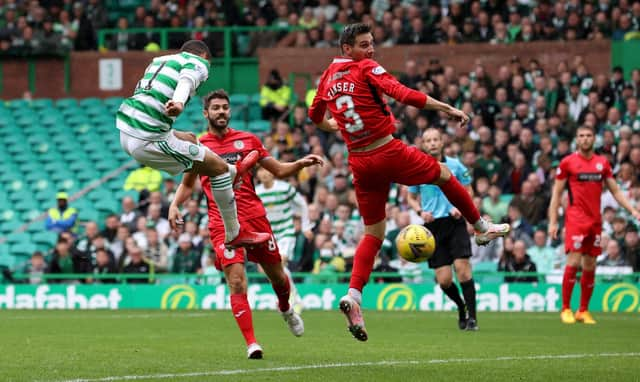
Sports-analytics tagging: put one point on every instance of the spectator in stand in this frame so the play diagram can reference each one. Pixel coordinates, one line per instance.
(541, 253)
(138, 265)
(61, 218)
(520, 262)
(143, 178)
(275, 97)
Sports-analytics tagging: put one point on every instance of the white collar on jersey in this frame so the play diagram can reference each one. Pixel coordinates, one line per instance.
(341, 60)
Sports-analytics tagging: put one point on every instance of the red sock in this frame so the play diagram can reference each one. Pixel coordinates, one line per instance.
(460, 198)
(283, 292)
(363, 261)
(242, 313)
(568, 280)
(587, 280)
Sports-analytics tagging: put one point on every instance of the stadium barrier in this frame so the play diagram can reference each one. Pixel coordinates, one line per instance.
(181, 292)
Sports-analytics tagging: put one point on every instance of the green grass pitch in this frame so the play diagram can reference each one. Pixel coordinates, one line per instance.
(403, 346)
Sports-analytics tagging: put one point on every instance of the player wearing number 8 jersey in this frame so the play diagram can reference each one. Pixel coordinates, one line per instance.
(145, 122)
(352, 88)
(233, 145)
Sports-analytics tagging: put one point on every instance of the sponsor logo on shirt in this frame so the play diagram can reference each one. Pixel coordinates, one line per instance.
(589, 177)
(378, 70)
(599, 166)
(338, 75)
(230, 158)
(238, 144)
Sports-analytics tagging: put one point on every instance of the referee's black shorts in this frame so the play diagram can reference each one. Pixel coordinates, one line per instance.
(452, 241)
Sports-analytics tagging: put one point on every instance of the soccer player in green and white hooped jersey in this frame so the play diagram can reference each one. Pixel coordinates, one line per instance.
(282, 201)
(145, 122)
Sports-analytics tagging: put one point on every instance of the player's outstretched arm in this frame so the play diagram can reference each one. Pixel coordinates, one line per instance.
(184, 191)
(620, 198)
(452, 112)
(284, 170)
(556, 195)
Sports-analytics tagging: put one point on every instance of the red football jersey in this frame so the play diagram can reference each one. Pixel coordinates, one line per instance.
(231, 147)
(584, 181)
(353, 92)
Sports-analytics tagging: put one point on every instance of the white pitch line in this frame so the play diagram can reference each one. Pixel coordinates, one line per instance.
(350, 364)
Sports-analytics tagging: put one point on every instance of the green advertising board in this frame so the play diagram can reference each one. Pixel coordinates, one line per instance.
(607, 297)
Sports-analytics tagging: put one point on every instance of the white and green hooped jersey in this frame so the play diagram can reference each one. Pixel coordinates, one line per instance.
(142, 115)
(281, 201)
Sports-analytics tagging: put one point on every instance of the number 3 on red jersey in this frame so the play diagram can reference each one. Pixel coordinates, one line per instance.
(357, 124)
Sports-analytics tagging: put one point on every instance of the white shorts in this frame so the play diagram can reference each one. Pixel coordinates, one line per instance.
(287, 245)
(172, 154)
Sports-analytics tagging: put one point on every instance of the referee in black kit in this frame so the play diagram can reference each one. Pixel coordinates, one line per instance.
(450, 231)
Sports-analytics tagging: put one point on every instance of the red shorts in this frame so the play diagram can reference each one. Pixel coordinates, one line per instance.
(267, 253)
(582, 237)
(375, 170)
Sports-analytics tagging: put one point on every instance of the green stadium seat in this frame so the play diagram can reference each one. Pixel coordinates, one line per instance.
(26, 120)
(69, 185)
(64, 103)
(107, 165)
(20, 237)
(33, 177)
(10, 226)
(7, 213)
(16, 186)
(17, 104)
(46, 198)
(30, 215)
(113, 103)
(87, 175)
(75, 156)
(26, 204)
(6, 260)
(42, 103)
(87, 215)
(259, 127)
(255, 112)
(20, 147)
(36, 227)
(52, 167)
(107, 205)
(29, 166)
(99, 194)
(239, 99)
(90, 102)
(22, 249)
(239, 125)
(43, 148)
(47, 238)
(62, 175)
(53, 159)
(485, 272)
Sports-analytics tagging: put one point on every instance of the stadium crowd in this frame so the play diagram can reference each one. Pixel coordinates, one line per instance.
(523, 123)
(56, 26)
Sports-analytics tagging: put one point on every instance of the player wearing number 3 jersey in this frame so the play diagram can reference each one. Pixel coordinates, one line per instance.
(352, 88)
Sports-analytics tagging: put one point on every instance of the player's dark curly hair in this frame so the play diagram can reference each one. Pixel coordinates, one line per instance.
(196, 47)
(351, 31)
(216, 94)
